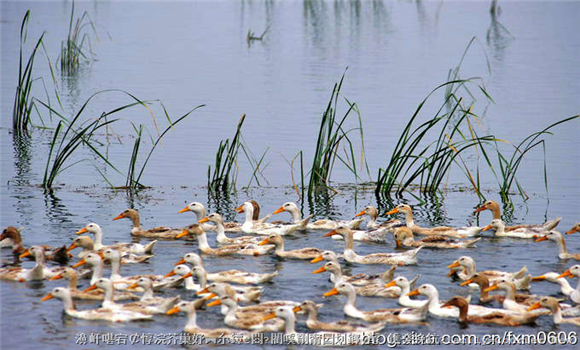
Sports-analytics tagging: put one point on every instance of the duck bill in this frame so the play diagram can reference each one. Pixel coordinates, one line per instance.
(398, 243)
(172, 311)
(487, 228)
(391, 284)
(211, 296)
(183, 233)
(539, 278)
(334, 291)
(571, 231)
(534, 307)
(455, 264)
(80, 263)
(206, 219)
(203, 291)
(360, 214)
(47, 297)
(183, 210)
(466, 282)
(215, 303)
(92, 287)
(296, 309)
(180, 262)
(71, 247)
(133, 286)
(414, 292)
(266, 241)
(331, 233)
(393, 211)
(566, 273)
(82, 230)
(543, 238)
(25, 254)
(490, 288)
(186, 275)
(447, 305)
(317, 259)
(269, 317)
(279, 210)
(320, 270)
(479, 209)
(57, 277)
(240, 209)
(120, 216)
(169, 274)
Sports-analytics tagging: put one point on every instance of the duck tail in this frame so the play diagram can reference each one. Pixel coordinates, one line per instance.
(264, 219)
(550, 225)
(149, 247)
(524, 283)
(413, 282)
(355, 223)
(377, 327)
(521, 273)
(472, 242)
(268, 277)
(302, 223)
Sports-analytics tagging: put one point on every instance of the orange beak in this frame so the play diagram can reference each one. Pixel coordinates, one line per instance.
(361, 213)
(82, 230)
(321, 269)
(211, 296)
(466, 282)
(487, 228)
(534, 307)
(297, 308)
(215, 303)
(183, 210)
(478, 209)
(264, 242)
(447, 305)
(170, 273)
(398, 243)
(455, 264)
(47, 297)
(317, 259)
(415, 292)
(80, 263)
(203, 291)
(279, 210)
(539, 278)
(120, 216)
(183, 233)
(490, 288)
(391, 284)
(394, 211)
(57, 277)
(331, 233)
(543, 238)
(71, 247)
(172, 311)
(572, 230)
(180, 262)
(94, 286)
(25, 254)
(566, 273)
(203, 220)
(269, 317)
(186, 275)
(240, 209)
(133, 286)
(334, 291)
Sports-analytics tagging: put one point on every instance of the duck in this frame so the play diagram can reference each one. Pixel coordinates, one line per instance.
(498, 226)
(404, 238)
(245, 294)
(95, 262)
(134, 248)
(97, 294)
(147, 307)
(234, 249)
(574, 271)
(20, 274)
(367, 290)
(199, 210)
(221, 233)
(327, 255)
(160, 232)
(147, 285)
(497, 318)
(312, 322)
(11, 238)
(302, 253)
(405, 258)
(553, 305)
(484, 297)
(510, 302)
(376, 235)
(88, 246)
(521, 277)
(360, 279)
(249, 320)
(38, 253)
(458, 232)
(93, 314)
(405, 285)
(404, 315)
(373, 213)
(230, 276)
(552, 277)
(557, 237)
(192, 327)
(575, 228)
(493, 206)
(324, 224)
(263, 228)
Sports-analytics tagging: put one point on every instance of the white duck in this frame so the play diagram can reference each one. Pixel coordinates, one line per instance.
(403, 283)
(160, 232)
(20, 274)
(252, 321)
(493, 206)
(192, 327)
(263, 228)
(93, 314)
(88, 246)
(372, 212)
(405, 258)
(324, 224)
(302, 253)
(336, 276)
(498, 226)
(557, 237)
(565, 287)
(218, 220)
(134, 248)
(312, 322)
(245, 294)
(554, 306)
(521, 278)
(574, 271)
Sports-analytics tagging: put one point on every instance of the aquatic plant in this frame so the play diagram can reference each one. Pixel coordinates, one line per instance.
(72, 50)
(224, 175)
(331, 135)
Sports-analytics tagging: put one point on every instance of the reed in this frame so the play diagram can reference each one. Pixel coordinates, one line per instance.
(224, 174)
(332, 134)
(23, 101)
(72, 50)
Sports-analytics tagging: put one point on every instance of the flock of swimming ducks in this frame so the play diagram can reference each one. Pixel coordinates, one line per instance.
(238, 292)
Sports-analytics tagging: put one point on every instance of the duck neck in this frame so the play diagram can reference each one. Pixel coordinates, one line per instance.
(562, 246)
(221, 232)
(202, 277)
(565, 286)
(202, 242)
(348, 241)
(496, 212)
(115, 270)
(510, 294)
(409, 219)
(249, 215)
(68, 304)
(73, 281)
(337, 275)
(200, 213)
(482, 293)
(136, 222)
(295, 215)
(231, 313)
(97, 272)
(557, 314)
(148, 294)
(109, 296)
(98, 238)
(433, 301)
(290, 324)
(189, 284)
(372, 220)
(40, 259)
(191, 318)
(469, 269)
(350, 308)
(463, 309)
(279, 247)
(312, 315)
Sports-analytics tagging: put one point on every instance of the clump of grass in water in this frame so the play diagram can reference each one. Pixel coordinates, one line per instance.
(72, 49)
(330, 136)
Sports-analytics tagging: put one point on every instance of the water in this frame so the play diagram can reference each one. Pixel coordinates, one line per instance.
(187, 54)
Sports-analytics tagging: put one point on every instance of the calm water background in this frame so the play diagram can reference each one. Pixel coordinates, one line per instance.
(187, 54)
